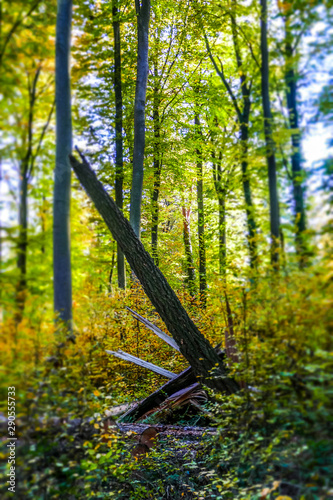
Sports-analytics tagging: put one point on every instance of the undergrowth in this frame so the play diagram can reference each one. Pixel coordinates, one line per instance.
(274, 437)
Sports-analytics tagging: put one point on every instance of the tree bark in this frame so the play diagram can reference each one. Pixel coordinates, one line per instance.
(143, 16)
(62, 176)
(201, 218)
(193, 345)
(270, 145)
(190, 270)
(119, 133)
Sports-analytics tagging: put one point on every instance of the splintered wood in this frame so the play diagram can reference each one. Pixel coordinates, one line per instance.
(181, 389)
(140, 362)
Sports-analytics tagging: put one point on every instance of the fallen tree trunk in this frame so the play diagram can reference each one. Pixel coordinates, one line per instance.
(155, 400)
(192, 344)
(184, 379)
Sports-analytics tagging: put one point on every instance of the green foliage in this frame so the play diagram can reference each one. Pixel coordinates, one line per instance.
(274, 438)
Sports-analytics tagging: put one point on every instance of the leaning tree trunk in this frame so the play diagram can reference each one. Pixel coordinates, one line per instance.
(193, 345)
(143, 16)
(119, 133)
(270, 146)
(62, 175)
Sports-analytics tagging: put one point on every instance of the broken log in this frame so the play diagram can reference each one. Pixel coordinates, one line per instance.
(184, 379)
(140, 362)
(169, 340)
(192, 344)
(193, 394)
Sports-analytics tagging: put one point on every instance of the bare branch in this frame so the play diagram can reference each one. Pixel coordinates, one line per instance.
(41, 138)
(220, 72)
(179, 90)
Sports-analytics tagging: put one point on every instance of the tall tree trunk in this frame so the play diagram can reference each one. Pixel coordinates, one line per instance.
(251, 222)
(193, 345)
(270, 146)
(25, 174)
(297, 170)
(22, 246)
(143, 16)
(244, 118)
(157, 166)
(119, 133)
(62, 176)
(190, 270)
(201, 217)
(220, 189)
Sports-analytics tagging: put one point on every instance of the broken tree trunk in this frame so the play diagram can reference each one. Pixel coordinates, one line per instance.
(169, 340)
(140, 362)
(154, 400)
(193, 345)
(184, 379)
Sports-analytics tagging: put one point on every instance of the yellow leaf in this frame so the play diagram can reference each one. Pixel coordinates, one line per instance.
(82, 389)
(96, 393)
(96, 426)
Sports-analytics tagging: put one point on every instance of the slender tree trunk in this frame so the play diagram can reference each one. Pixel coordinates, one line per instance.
(244, 117)
(143, 16)
(62, 177)
(25, 173)
(43, 225)
(221, 195)
(119, 133)
(270, 146)
(201, 219)
(251, 222)
(297, 170)
(22, 246)
(193, 345)
(190, 270)
(157, 166)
